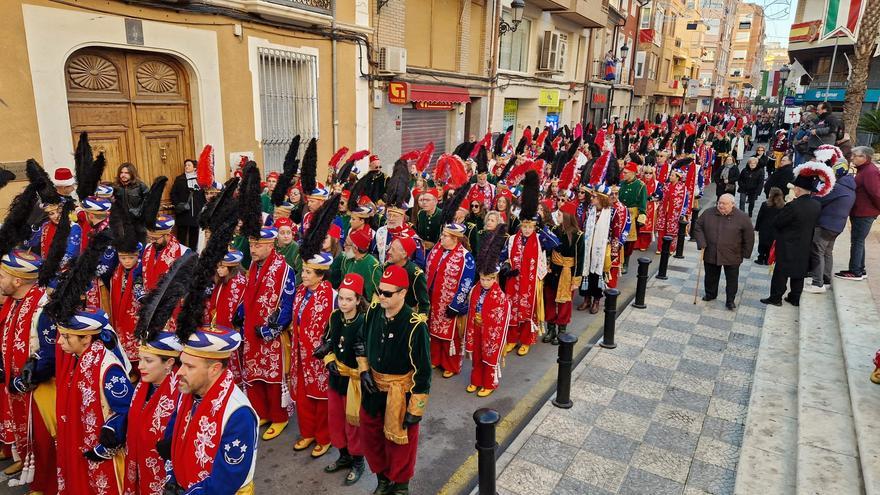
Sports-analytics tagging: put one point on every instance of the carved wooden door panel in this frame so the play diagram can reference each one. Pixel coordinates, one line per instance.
(162, 151)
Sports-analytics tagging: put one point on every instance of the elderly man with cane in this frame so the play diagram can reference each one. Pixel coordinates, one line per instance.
(726, 237)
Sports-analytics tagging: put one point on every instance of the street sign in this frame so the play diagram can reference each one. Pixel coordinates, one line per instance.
(789, 101)
(792, 115)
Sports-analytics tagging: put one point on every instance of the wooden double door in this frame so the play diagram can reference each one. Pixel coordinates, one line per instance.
(135, 107)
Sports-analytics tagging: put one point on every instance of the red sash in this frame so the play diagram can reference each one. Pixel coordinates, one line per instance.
(80, 418)
(224, 300)
(87, 229)
(522, 289)
(651, 209)
(46, 237)
(263, 360)
(124, 310)
(18, 317)
(147, 420)
(444, 275)
(671, 208)
(156, 266)
(491, 333)
(197, 435)
(310, 317)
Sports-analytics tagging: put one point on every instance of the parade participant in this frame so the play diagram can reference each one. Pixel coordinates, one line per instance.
(450, 272)
(60, 214)
(564, 275)
(597, 246)
(285, 244)
(400, 253)
(316, 194)
(28, 355)
(64, 182)
(339, 349)
(266, 197)
(357, 259)
(655, 193)
(674, 208)
(377, 182)
(276, 193)
(705, 157)
(779, 147)
(162, 248)
(428, 222)
(395, 380)
(721, 146)
(488, 317)
(126, 281)
(482, 191)
(662, 166)
(504, 205)
(97, 211)
(634, 196)
(93, 409)
(490, 223)
(397, 199)
(621, 225)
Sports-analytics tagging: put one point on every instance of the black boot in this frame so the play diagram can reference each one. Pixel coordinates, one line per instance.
(357, 469)
(399, 489)
(342, 462)
(384, 486)
(562, 330)
(551, 333)
(625, 267)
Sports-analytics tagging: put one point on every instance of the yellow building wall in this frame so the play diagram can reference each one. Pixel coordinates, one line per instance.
(431, 33)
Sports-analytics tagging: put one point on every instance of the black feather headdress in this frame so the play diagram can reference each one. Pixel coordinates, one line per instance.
(207, 216)
(464, 149)
(520, 146)
(397, 192)
(88, 169)
(73, 284)
(153, 202)
(57, 249)
(498, 147)
(450, 206)
(5, 177)
(689, 143)
(250, 210)
(357, 190)
(531, 195)
(309, 173)
(36, 174)
(16, 227)
(492, 243)
(291, 165)
(125, 237)
(320, 226)
(482, 160)
(158, 305)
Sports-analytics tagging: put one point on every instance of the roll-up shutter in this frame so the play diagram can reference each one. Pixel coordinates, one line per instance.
(423, 126)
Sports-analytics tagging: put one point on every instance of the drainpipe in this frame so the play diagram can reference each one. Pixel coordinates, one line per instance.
(493, 61)
(335, 78)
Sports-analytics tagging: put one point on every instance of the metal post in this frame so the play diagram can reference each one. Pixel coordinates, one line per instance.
(694, 214)
(610, 318)
(831, 70)
(486, 419)
(641, 283)
(679, 248)
(563, 378)
(664, 257)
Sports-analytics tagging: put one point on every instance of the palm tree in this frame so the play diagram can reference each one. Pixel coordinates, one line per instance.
(869, 29)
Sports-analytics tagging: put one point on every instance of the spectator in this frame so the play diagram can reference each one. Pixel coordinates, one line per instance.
(764, 162)
(726, 177)
(737, 147)
(825, 128)
(726, 235)
(780, 177)
(864, 211)
(764, 223)
(129, 191)
(188, 200)
(800, 140)
(836, 206)
(750, 181)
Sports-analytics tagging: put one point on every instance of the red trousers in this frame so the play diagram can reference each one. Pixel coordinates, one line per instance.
(554, 312)
(440, 355)
(482, 375)
(266, 399)
(395, 462)
(644, 241)
(311, 414)
(46, 472)
(342, 434)
(613, 277)
(521, 333)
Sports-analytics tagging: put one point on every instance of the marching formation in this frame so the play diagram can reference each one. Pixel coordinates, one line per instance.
(145, 346)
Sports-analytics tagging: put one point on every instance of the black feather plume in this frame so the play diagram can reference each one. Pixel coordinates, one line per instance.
(520, 146)
(308, 175)
(16, 228)
(482, 160)
(153, 201)
(357, 190)
(291, 164)
(73, 284)
(530, 196)
(397, 191)
(205, 218)
(491, 244)
(319, 227)
(499, 142)
(450, 206)
(158, 305)
(52, 264)
(125, 237)
(507, 167)
(344, 173)
(36, 174)
(82, 161)
(250, 210)
(5, 177)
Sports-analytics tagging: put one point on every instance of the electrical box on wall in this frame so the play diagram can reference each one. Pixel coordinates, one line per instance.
(378, 98)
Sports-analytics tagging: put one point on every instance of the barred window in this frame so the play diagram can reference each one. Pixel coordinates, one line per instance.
(288, 102)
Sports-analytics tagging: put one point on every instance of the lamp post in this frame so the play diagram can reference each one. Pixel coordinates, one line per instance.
(516, 8)
(784, 71)
(624, 51)
(712, 97)
(730, 92)
(685, 81)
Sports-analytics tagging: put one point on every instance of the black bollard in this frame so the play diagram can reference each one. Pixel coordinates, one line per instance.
(486, 419)
(610, 317)
(563, 379)
(641, 283)
(679, 248)
(664, 257)
(694, 214)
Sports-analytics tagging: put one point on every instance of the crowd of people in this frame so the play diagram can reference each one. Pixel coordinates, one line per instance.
(146, 342)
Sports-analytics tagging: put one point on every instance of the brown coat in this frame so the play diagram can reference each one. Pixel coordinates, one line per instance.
(727, 239)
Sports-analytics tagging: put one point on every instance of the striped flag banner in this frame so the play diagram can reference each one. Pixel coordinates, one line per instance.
(842, 18)
(775, 90)
(764, 77)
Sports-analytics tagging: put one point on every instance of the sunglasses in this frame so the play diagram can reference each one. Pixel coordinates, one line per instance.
(475, 206)
(388, 293)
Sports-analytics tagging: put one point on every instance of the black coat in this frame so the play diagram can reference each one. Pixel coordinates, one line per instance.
(131, 196)
(732, 177)
(794, 227)
(764, 224)
(766, 164)
(779, 178)
(188, 203)
(750, 180)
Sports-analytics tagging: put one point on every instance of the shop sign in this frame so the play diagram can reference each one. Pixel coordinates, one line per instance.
(398, 93)
(511, 106)
(432, 105)
(599, 98)
(548, 98)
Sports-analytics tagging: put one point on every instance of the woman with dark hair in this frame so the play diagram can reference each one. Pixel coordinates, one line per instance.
(188, 199)
(504, 206)
(597, 238)
(296, 199)
(564, 276)
(130, 191)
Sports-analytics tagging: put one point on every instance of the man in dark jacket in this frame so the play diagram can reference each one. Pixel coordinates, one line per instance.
(727, 236)
(864, 211)
(825, 128)
(188, 200)
(836, 206)
(794, 235)
(780, 177)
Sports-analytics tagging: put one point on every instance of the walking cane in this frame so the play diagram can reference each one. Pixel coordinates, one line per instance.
(699, 270)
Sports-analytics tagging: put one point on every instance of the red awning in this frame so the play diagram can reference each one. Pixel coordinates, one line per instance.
(675, 101)
(438, 94)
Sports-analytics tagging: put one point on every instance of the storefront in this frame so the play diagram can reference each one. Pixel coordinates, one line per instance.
(598, 104)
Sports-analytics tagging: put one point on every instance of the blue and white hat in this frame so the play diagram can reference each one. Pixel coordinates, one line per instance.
(267, 234)
(363, 211)
(212, 342)
(233, 258)
(320, 193)
(163, 344)
(104, 191)
(21, 264)
(455, 229)
(320, 261)
(90, 321)
(284, 208)
(95, 204)
(164, 224)
(602, 189)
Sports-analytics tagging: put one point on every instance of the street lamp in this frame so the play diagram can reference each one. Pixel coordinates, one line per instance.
(516, 7)
(784, 71)
(685, 81)
(624, 51)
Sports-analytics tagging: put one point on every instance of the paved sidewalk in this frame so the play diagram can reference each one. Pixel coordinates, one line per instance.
(661, 413)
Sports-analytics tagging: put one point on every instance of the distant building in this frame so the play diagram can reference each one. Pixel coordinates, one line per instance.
(775, 56)
(747, 52)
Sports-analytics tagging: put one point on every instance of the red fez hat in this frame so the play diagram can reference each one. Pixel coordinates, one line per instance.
(361, 238)
(63, 177)
(273, 175)
(346, 194)
(374, 158)
(396, 276)
(548, 203)
(632, 167)
(432, 191)
(408, 244)
(335, 232)
(570, 207)
(283, 222)
(354, 283)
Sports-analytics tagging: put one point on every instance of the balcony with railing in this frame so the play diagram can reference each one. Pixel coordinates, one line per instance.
(305, 12)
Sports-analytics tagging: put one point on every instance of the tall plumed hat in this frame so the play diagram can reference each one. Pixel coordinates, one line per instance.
(492, 243)
(157, 307)
(531, 195)
(814, 176)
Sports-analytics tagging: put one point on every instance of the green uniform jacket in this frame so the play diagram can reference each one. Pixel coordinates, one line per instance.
(242, 243)
(396, 347)
(367, 267)
(341, 335)
(634, 195)
(291, 255)
(417, 295)
(266, 203)
(428, 226)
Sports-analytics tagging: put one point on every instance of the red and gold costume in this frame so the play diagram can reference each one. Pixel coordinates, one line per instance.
(126, 288)
(487, 323)
(450, 275)
(646, 231)
(156, 262)
(673, 206)
(220, 308)
(526, 255)
(151, 410)
(620, 226)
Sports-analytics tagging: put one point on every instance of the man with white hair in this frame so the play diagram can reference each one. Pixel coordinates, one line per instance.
(727, 236)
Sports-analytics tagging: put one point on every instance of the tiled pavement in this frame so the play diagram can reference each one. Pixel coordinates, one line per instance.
(664, 411)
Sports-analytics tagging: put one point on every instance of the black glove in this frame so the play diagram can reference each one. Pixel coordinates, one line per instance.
(237, 320)
(17, 385)
(172, 488)
(367, 382)
(108, 438)
(27, 372)
(322, 350)
(181, 207)
(410, 419)
(93, 456)
(163, 447)
(272, 321)
(333, 368)
(359, 348)
(513, 272)
(451, 313)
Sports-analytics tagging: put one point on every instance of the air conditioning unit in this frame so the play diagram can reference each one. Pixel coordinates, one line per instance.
(553, 49)
(392, 59)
